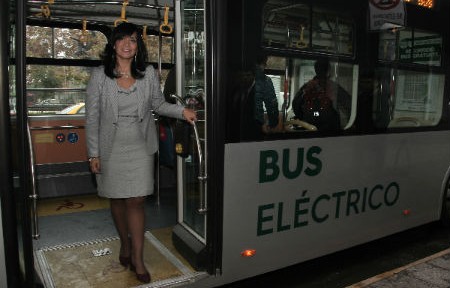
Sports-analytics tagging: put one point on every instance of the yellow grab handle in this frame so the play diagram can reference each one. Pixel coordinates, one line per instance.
(123, 12)
(45, 11)
(84, 37)
(166, 28)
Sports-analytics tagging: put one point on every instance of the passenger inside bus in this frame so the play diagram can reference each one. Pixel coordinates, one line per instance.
(167, 124)
(265, 97)
(322, 102)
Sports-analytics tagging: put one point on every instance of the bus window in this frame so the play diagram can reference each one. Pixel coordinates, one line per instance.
(418, 99)
(420, 47)
(167, 49)
(409, 96)
(64, 43)
(332, 33)
(275, 71)
(341, 89)
(59, 89)
(288, 25)
(52, 89)
(413, 46)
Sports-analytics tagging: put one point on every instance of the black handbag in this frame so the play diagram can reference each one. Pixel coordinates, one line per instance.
(182, 135)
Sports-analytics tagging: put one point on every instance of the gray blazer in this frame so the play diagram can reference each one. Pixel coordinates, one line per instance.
(102, 111)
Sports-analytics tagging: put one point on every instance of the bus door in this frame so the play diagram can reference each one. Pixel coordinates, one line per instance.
(190, 232)
(17, 197)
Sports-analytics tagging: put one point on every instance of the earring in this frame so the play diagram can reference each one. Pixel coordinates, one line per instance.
(135, 57)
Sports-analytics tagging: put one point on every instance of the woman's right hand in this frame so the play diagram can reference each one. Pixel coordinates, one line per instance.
(189, 115)
(94, 164)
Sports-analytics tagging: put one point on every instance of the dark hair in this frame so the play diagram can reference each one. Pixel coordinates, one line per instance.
(322, 66)
(109, 54)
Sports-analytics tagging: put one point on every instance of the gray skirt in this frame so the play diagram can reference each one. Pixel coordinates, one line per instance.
(129, 172)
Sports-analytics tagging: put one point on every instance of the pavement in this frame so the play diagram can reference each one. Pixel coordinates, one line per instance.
(432, 271)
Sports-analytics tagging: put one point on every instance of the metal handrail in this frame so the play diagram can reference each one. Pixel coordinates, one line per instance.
(89, 2)
(201, 173)
(57, 89)
(58, 127)
(33, 196)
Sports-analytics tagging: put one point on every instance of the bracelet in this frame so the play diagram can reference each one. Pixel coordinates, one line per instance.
(92, 158)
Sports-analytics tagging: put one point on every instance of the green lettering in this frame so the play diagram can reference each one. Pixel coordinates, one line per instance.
(363, 208)
(314, 214)
(268, 162)
(280, 226)
(374, 206)
(313, 160)
(352, 202)
(396, 196)
(299, 212)
(262, 219)
(286, 163)
(338, 196)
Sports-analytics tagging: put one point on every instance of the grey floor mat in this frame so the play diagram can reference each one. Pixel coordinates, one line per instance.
(85, 226)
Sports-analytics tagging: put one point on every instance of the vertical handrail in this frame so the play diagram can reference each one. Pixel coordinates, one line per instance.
(157, 165)
(33, 196)
(201, 173)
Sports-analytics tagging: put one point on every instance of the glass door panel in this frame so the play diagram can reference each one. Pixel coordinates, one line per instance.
(191, 88)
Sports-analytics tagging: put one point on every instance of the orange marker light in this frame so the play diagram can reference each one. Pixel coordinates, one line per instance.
(406, 212)
(248, 253)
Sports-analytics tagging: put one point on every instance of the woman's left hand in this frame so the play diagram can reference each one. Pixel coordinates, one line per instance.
(189, 115)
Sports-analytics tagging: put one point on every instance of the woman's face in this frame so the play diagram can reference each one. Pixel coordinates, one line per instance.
(126, 47)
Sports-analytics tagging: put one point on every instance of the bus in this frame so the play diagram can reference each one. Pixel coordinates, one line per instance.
(236, 195)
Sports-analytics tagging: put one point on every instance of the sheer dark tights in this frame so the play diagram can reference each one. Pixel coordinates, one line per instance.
(129, 219)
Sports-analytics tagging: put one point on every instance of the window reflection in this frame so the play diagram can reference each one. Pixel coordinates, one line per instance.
(408, 98)
(287, 25)
(336, 83)
(410, 46)
(332, 33)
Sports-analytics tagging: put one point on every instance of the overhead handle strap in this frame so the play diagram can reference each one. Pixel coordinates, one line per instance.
(84, 36)
(144, 33)
(123, 13)
(166, 28)
(45, 10)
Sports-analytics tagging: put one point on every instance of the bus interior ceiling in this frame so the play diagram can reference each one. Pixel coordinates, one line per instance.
(151, 13)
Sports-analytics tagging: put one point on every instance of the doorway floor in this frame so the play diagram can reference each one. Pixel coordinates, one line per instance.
(95, 264)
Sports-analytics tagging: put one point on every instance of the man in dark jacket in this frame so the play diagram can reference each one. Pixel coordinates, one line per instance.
(265, 96)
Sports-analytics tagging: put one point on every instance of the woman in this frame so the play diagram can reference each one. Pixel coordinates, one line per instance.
(121, 136)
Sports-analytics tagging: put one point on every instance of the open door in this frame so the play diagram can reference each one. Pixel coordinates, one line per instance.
(190, 233)
(16, 196)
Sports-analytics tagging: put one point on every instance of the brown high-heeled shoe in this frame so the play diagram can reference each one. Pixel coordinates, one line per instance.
(144, 278)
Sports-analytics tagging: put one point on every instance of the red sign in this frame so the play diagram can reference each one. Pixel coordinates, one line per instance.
(386, 14)
(385, 4)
